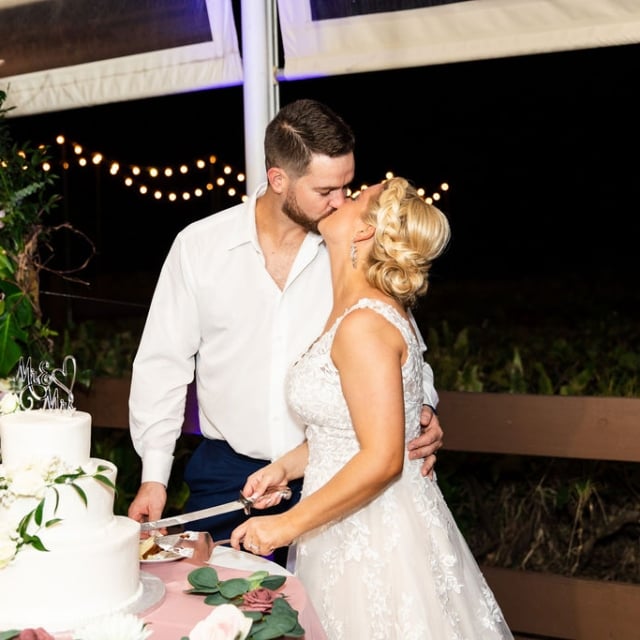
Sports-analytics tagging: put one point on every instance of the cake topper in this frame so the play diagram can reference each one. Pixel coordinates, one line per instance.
(46, 388)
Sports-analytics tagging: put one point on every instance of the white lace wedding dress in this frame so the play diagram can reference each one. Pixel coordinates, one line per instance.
(398, 568)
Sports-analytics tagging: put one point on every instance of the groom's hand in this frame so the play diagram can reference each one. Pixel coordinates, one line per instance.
(428, 442)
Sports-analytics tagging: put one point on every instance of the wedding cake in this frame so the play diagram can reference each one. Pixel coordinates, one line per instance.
(65, 558)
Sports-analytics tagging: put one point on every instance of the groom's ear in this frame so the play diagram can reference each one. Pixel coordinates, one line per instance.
(278, 179)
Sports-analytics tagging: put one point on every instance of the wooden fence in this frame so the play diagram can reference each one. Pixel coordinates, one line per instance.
(539, 605)
(536, 605)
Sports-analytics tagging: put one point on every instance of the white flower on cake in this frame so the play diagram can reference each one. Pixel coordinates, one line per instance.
(9, 401)
(8, 544)
(118, 626)
(30, 481)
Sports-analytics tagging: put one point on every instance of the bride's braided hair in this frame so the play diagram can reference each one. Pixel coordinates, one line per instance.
(410, 235)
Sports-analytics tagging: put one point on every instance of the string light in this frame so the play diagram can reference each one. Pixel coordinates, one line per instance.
(143, 179)
(430, 199)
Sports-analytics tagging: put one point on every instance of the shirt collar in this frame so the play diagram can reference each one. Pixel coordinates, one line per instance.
(245, 221)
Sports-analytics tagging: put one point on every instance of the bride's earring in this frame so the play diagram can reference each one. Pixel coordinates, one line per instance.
(354, 255)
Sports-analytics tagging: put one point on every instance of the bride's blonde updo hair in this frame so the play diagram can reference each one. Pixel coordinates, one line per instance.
(410, 235)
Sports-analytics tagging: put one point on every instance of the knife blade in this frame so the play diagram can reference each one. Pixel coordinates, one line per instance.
(235, 505)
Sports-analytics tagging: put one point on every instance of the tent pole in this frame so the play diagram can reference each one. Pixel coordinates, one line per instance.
(260, 91)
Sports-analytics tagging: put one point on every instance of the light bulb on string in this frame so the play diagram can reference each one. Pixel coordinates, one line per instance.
(228, 176)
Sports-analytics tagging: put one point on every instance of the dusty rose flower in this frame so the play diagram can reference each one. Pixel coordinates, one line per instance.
(35, 634)
(260, 599)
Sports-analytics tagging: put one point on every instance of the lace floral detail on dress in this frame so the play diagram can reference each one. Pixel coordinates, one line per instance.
(402, 553)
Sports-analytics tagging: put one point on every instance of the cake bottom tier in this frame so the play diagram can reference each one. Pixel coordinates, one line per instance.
(70, 585)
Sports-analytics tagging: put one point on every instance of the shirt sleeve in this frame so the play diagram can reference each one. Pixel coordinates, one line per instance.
(430, 394)
(163, 368)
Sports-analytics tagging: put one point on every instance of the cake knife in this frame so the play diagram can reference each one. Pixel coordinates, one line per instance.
(235, 505)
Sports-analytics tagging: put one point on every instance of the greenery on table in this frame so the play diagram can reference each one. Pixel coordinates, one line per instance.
(277, 620)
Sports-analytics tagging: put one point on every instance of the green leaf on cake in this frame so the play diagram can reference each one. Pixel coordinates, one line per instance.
(101, 478)
(79, 490)
(50, 523)
(38, 512)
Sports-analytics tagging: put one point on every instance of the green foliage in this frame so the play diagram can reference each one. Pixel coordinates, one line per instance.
(280, 621)
(108, 347)
(596, 358)
(25, 201)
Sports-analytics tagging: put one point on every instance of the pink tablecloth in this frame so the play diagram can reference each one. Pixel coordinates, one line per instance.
(178, 612)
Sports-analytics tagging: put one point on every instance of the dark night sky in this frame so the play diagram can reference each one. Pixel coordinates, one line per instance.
(541, 153)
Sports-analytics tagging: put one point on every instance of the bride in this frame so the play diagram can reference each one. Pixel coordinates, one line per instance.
(378, 549)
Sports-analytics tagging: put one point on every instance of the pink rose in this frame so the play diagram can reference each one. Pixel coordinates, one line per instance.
(34, 634)
(260, 599)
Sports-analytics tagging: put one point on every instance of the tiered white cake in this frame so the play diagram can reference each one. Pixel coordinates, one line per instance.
(89, 566)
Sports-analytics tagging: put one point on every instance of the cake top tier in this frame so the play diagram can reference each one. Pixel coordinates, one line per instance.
(28, 436)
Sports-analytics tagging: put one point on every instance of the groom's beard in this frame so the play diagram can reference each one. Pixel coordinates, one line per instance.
(297, 215)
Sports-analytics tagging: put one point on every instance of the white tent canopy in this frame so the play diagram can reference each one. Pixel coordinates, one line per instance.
(72, 53)
(62, 54)
(328, 38)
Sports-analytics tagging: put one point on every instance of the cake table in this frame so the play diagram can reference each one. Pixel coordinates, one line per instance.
(177, 612)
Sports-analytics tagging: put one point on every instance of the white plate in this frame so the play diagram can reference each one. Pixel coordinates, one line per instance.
(230, 558)
(162, 556)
